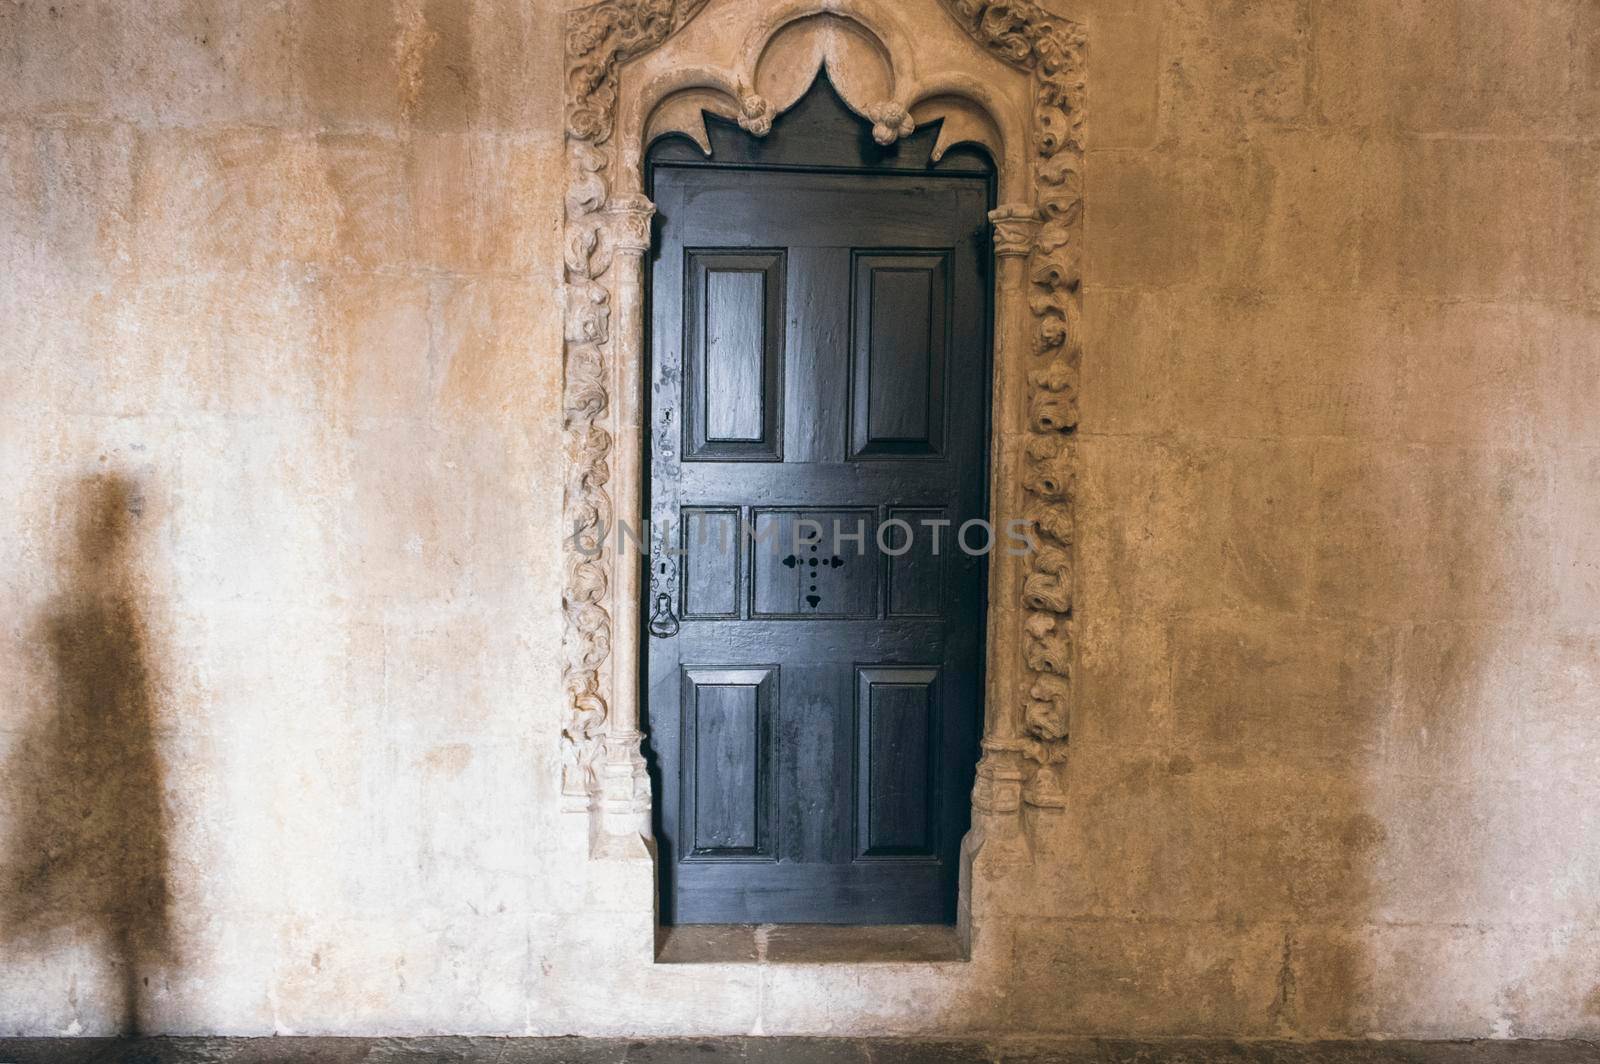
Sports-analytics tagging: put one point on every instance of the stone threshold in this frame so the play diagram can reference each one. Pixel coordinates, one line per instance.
(808, 944)
(488, 1050)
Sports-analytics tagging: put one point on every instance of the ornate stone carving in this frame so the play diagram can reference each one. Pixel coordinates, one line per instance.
(1037, 242)
(599, 37)
(755, 113)
(890, 122)
(1015, 230)
(1026, 36)
(630, 223)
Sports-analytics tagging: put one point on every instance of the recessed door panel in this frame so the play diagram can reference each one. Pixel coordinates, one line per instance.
(733, 354)
(896, 786)
(709, 539)
(899, 307)
(727, 750)
(814, 564)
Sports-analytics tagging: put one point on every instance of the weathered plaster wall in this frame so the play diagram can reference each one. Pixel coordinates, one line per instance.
(281, 430)
(277, 291)
(1334, 759)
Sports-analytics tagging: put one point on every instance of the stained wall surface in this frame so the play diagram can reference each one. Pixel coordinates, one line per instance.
(279, 571)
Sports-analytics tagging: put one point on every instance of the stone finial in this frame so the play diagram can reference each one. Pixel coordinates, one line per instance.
(755, 113)
(890, 122)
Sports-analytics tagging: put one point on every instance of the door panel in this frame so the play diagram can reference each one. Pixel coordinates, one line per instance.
(806, 567)
(897, 716)
(899, 305)
(813, 720)
(727, 770)
(733, 307)
(711, 563)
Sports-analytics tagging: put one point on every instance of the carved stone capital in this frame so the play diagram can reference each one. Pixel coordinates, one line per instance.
(625, 785)
(997, 787)
(1016, 228)
(628, 219)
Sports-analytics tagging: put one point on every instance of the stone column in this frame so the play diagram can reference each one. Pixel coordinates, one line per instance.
(624, 781)
(997, 792)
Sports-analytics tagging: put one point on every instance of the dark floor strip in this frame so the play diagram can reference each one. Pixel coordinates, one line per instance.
(773, 1051)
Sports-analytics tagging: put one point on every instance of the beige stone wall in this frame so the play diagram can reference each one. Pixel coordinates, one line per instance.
(280, 435)
(1334, 759)
(277, 288)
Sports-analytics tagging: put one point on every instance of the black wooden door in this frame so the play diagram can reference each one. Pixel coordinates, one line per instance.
(819, 375)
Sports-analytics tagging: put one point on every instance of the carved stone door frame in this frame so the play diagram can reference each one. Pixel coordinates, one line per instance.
(1004, 74)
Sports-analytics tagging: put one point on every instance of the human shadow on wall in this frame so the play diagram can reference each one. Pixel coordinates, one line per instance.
(88, 854)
